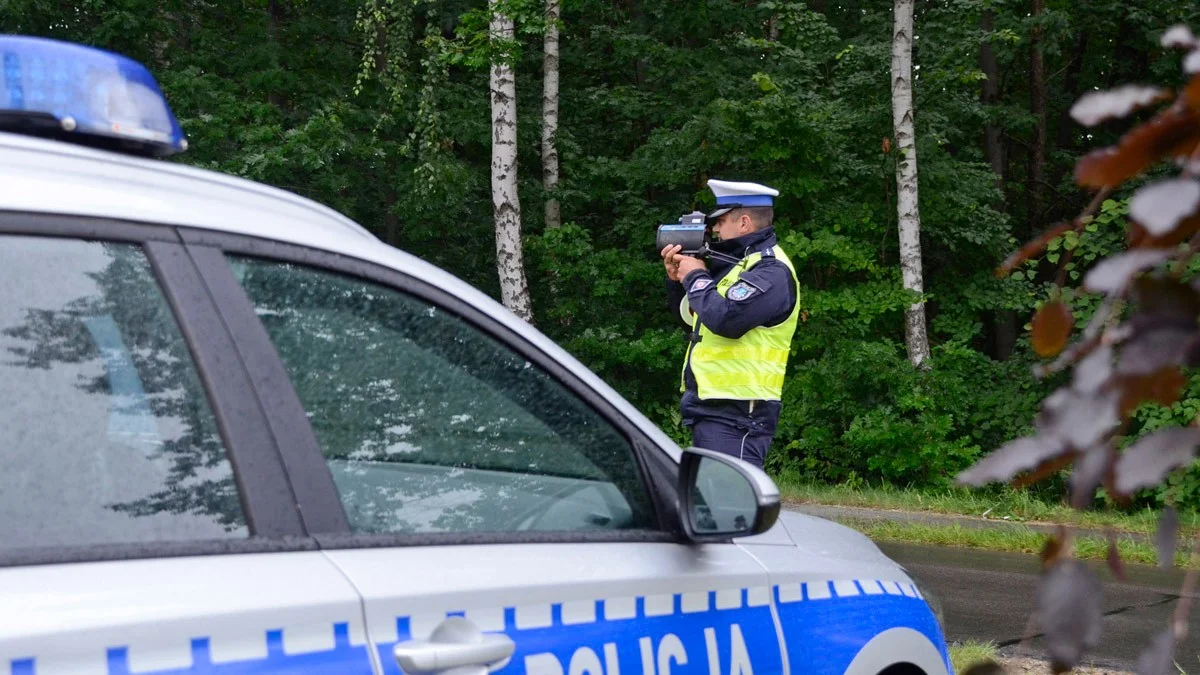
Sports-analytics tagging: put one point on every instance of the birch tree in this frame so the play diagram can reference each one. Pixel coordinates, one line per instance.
(506, 206)
(906, 180)
(550, 113)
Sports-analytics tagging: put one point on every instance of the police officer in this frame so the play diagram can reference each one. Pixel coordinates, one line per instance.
(742, 312)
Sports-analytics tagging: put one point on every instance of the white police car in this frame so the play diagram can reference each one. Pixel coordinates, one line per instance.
(241, 435)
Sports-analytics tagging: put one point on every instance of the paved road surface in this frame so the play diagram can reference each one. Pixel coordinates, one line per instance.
(989, 596)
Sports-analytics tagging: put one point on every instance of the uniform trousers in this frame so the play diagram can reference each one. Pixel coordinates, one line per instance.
(736, 428)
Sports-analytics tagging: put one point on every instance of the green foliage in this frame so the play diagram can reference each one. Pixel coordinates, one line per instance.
(379, 108)
(1181, 487)
(861, 412)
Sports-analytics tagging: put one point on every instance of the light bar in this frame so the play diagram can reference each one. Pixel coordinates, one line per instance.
(84, 95)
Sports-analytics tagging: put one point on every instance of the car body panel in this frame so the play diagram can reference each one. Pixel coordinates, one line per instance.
(215, 614)
(839, 597)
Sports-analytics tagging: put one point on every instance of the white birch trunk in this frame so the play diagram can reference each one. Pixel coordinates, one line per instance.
(906, 180)
(506, 207)
(550, 112)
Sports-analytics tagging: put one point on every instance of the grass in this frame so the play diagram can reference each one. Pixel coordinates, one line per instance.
(1017, 540)
(1008, 504)
(969, 652)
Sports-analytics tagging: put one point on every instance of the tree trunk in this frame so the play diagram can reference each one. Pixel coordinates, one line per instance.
(1005, 323)
(391, 222)
(274, 20)
(1037, 107)
(908, 216)
(993, 147)
(1068, 131)
(550, 113)
(1123, 52)
(506, 206)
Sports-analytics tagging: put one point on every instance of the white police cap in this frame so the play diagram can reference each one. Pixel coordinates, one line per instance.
(732, 195)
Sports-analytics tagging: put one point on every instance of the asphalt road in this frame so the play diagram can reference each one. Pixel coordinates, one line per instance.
(990, 596)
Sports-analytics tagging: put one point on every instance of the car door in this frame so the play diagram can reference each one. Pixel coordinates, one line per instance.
(146, 525)
(489, 499)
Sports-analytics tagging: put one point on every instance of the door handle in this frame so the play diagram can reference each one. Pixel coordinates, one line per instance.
(456, 644)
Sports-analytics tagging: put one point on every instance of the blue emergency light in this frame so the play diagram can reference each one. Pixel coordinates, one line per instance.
(84, 95)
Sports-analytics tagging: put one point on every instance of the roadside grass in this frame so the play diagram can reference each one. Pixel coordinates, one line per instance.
(1017, 540)
(967, 653)
(1005, 504)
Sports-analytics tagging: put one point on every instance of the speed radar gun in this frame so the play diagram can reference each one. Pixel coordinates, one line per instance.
(693, 234)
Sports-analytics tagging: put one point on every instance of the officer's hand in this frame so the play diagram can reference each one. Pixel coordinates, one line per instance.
(669, 255)
(686, 264)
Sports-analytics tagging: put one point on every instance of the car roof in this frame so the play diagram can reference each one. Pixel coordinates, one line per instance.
(52, 177)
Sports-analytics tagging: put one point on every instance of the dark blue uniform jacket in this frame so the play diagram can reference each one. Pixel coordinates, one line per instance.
(765, 297)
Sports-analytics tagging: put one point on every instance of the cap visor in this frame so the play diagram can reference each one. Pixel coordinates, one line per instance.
(718, 213)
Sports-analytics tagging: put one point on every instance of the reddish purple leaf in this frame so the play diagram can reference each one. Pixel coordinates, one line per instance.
(1172, 133)
(1080, 420)
(1088, 474)
(1095, 107)
(1159, 657)
(1051, 328)
(1054, 546)
(1044, 470)
(1031, 249)
(1178, 36)
(1010, 459)
(1162, 387)
(1057, 400)
(1093, 370)
(1191, 357)
(1168, 533)
(1160, 206)
(1138, 237)
(1191, 94)
(1069, 609)
(1112, 273)
(1147, 461)
(1154, 350)
(1164, 302)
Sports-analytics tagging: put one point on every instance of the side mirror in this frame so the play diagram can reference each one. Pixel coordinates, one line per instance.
(722, 497)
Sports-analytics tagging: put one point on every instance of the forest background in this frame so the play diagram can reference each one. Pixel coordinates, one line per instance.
(380, 109)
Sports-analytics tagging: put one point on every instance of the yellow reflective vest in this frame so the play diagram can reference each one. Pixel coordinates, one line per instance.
(750, 368)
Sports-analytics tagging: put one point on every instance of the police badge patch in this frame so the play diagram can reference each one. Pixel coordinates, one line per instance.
(741, 290)
(700, 284)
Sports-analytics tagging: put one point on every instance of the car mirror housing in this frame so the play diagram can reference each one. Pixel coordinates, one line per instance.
(722, 497)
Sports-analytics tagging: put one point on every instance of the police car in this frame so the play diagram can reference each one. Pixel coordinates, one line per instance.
(239, 434)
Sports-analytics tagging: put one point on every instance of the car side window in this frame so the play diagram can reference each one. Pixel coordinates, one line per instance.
(430, 425)
(106, 435)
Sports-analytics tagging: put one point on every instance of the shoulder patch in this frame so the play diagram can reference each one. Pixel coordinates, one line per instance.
(700, 284)
(741, 290)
